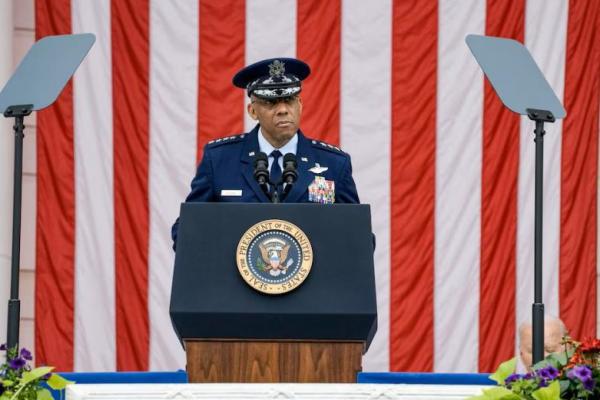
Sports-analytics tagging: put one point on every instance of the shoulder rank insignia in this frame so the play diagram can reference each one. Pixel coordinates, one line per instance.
(324, 145)
(226, 139)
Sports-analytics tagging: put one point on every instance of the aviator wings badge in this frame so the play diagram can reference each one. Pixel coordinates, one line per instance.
(317, 169)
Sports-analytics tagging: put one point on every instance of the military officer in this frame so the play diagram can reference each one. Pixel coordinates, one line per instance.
(226, 172)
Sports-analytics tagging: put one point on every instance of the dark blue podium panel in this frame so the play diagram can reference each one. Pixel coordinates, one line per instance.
(210, 300)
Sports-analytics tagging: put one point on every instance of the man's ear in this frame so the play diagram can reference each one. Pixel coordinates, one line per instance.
(252, 111)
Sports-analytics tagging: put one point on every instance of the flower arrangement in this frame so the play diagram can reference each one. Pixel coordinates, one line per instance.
(568, 375)
(18, 381)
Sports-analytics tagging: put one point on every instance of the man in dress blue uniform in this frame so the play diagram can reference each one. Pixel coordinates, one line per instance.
(226, 172)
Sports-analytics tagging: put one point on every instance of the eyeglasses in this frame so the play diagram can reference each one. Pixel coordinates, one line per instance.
(272, 103)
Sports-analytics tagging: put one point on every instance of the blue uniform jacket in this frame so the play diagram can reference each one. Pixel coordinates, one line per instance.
(228, 164)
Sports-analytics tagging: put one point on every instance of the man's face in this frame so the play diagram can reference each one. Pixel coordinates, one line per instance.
(278, 118)
(552, 339)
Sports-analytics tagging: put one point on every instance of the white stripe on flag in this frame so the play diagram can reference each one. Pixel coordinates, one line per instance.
(270, 32)
(458, 188)
(173, 133)
(547, 44)
(365, 118)
(95, 347)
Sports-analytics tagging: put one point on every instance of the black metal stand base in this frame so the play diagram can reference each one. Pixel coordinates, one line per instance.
(14, 316)
(537, 317)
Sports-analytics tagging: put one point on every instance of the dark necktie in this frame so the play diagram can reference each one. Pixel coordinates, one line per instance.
(275, 168)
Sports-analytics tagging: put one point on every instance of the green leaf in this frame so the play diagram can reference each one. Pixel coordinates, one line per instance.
(561, 358)
(7, 383)
(564, 385)
(496, 393)
(44, 394)
(12, 353)
(57, 382)
(551, 392)
(504, 370)
(36, 373)
(541, 364)
(557, 360)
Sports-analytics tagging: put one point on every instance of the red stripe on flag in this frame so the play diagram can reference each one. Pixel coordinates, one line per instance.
(55, 227)
(414, 77)
(318, 43)
(579, 166)
(130, 68)
(500, 159)
(222, 50)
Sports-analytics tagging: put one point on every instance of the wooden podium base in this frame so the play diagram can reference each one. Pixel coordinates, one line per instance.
(273, 362)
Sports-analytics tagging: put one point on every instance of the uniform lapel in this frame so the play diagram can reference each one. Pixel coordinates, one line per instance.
(247, 167)
(305, 177)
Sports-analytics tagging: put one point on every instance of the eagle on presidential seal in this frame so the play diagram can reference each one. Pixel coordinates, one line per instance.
(274, 253)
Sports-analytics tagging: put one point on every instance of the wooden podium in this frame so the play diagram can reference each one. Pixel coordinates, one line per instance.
(315, 333)
(273, 362)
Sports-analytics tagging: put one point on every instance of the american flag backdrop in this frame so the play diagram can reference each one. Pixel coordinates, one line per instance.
(447, 169)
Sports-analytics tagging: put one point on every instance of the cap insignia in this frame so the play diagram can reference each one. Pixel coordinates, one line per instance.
(276, 68)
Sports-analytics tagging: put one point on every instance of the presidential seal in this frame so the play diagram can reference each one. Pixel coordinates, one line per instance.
(274, 256)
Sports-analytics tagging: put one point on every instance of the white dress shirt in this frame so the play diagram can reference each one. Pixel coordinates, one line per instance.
(267, 148)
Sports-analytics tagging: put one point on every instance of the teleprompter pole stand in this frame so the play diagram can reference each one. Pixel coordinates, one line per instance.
(539, 116)
(14, 304)
(32, 87)
(522, 88)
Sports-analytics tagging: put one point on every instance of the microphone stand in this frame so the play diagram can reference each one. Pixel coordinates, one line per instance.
(275, 194)
(261, 173)
(265, 188)
(287, 188)
(290, 174)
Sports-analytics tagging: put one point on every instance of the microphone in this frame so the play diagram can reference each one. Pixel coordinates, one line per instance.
(261, 170)
(290, 174)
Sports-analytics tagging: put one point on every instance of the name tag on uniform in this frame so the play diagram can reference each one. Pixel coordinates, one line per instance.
(230, 192)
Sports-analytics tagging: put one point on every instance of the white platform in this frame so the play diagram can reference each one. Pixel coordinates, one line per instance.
(271, 391)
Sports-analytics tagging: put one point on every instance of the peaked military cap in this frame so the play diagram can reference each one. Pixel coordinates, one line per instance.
(273, 78)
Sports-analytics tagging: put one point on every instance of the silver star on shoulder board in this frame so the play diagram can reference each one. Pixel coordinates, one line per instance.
(317, 169)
